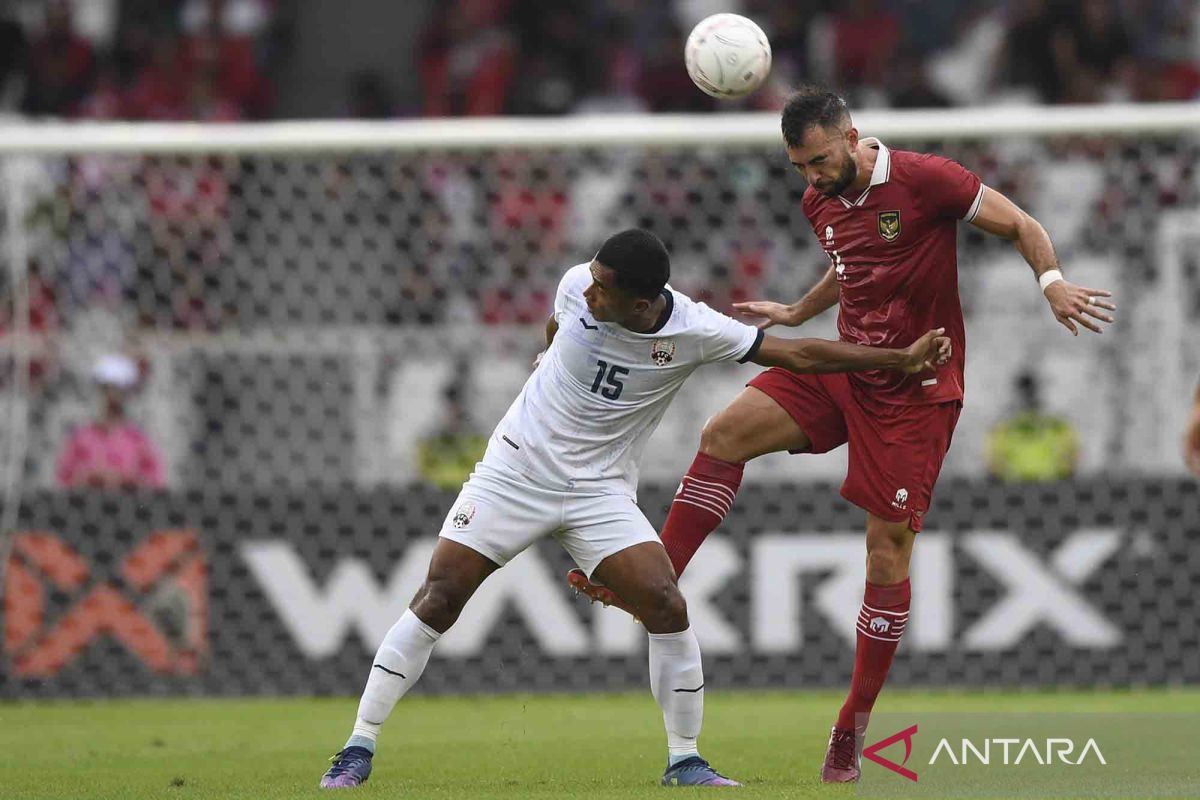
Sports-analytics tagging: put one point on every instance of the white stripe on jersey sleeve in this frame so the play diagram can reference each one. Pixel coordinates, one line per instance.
(974, 209)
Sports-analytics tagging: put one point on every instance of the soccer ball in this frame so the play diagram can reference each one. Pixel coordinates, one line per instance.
(727, 55)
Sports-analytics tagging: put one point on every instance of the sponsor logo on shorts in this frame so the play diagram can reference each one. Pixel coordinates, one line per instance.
(829, 234)
(463, 516)
(662, 351)
(901, 500)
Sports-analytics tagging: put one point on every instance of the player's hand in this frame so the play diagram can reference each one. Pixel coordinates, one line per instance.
(929, 352)
(1191, 445)
(773, 313)
(1073, 305)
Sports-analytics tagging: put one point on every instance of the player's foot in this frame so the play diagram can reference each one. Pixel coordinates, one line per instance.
(695, 771)
(351, 767)
(596, 592)
(842, 758)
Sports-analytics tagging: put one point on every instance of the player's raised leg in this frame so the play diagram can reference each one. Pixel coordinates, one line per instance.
(455, 572)
(882, 620)
(751, 426)
(642, 575)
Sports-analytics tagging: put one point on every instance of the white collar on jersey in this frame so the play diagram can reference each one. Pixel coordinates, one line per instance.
(880, 174)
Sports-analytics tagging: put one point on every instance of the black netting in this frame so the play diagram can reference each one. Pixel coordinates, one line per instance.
(315, 348)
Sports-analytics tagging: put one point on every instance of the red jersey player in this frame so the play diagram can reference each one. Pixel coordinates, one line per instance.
(887, 219)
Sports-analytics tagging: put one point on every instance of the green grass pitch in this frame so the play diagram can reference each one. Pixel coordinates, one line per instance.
(600, 747)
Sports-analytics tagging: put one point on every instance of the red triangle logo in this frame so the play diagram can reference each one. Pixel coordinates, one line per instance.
(872, 753)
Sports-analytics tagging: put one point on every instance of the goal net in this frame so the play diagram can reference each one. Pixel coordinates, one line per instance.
(344, 310)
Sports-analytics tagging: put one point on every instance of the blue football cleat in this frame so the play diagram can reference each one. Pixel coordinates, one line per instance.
(695, 771)
(351, 767)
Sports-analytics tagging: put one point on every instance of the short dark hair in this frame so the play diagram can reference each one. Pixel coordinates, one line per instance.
(640, 261)
(809, 106)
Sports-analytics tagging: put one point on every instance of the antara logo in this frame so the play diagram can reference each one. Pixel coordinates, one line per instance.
(1000, 751)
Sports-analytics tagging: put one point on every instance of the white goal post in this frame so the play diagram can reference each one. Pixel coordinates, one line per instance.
(637, 130)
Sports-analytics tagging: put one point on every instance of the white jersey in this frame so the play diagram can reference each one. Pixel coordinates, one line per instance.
(583, 417)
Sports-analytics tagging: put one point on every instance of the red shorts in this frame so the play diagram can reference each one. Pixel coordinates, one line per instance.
(896, 451)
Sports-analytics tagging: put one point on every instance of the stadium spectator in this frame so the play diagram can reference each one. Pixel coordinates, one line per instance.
(911, 87)
(60, 65)
(1035, 47)
(467, 60)
(222, 66)
(551, 75)
(111, 452)
(44, 320)
(448, 454)
(1032, 445)
(1096, 57)
(12, 57)
(866, 36)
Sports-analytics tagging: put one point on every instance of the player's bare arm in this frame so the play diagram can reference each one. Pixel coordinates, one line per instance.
(1191, 437)
(1071, 305)
(821, 355)
(821, 297)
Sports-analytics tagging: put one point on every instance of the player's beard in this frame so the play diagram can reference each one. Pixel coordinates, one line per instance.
(844, 179)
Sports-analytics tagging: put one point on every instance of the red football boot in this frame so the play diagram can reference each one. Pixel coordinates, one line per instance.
(842, 758)
(596, 592)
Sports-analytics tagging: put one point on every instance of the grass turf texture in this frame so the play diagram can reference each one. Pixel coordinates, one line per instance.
(600, 747)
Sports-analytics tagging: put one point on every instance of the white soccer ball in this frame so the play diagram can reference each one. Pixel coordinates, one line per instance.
(727, 55)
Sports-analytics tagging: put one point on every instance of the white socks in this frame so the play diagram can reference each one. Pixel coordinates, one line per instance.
(398, 664)
(677, 682)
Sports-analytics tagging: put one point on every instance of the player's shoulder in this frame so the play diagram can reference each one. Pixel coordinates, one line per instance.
(691, 317)
(578, 275)
(909, 164)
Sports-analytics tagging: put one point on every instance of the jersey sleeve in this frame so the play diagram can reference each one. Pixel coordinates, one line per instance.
(957, 192)
(570, 288)
(724, 338)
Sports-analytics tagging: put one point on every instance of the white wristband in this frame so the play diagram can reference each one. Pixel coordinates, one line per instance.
(1049, 277)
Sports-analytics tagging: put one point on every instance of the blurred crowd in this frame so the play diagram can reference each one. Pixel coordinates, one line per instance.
(202, 60)
(545, 57)
(218, 60)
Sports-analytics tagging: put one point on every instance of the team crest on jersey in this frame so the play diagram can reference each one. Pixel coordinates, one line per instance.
(463, 516)
(662, 351)
(889, 225)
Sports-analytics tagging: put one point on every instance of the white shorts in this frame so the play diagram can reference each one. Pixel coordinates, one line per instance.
(498, 514)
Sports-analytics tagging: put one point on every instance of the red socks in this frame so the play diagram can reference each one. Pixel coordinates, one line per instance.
(704, 498)
(881, 622)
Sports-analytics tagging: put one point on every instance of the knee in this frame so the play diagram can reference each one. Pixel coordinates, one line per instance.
(720, 438)
(888, 550)
(884, 564)
(438, 603)
(665, 609)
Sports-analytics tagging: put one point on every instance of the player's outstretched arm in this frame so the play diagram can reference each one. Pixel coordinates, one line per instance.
(820, 297)
(821, 355)
(1071, 305)
(1191, 437)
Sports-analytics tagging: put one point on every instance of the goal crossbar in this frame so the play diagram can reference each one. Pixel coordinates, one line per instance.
(636, 130)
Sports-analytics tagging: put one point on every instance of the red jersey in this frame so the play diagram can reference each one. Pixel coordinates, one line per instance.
(895, 252)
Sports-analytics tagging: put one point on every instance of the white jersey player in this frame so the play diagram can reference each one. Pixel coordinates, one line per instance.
(563, 463)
